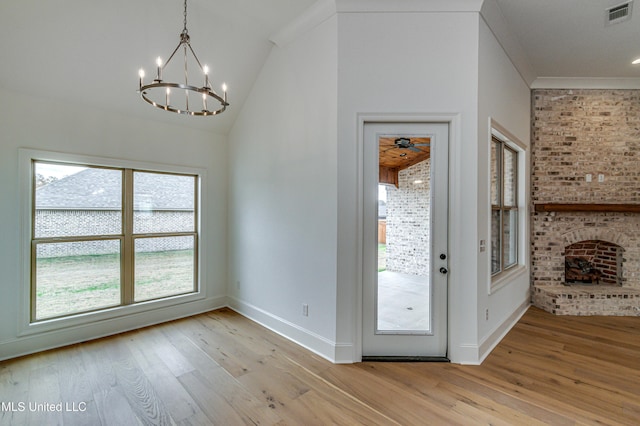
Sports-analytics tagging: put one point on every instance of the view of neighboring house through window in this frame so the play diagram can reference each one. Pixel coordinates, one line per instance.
(504, 206)
(107, 237)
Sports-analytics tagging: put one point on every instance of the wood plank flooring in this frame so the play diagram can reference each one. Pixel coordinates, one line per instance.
(222, 369)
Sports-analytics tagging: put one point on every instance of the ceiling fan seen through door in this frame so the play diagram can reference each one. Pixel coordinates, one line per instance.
(405, 143)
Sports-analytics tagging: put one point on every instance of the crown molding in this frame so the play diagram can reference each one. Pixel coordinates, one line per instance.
(585, 83)
(353, 6)
(322, 10)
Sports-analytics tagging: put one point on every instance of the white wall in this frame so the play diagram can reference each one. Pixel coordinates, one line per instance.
(282, 204)
(409, 63)
(505, 97)
(30, 122)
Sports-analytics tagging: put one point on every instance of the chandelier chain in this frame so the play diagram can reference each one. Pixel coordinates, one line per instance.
(184, 29)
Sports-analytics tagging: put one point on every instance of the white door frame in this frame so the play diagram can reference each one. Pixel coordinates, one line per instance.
(454, 121)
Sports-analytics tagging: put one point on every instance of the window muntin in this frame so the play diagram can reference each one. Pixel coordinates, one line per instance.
(504, 206)
(85, 254)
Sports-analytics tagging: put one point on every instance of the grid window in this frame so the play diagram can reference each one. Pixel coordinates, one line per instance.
(504, 206)
(108, 237)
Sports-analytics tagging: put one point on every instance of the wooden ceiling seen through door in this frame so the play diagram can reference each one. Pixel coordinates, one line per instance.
(394, 156)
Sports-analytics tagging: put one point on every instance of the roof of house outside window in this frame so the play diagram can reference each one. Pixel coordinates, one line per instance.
(101, 189)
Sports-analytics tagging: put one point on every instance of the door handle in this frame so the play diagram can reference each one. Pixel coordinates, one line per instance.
(443, 270)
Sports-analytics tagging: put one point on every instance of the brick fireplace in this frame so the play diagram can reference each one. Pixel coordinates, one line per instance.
(586, 194)
(557, 231)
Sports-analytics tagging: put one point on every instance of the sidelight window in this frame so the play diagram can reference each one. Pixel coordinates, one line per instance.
(504, 206)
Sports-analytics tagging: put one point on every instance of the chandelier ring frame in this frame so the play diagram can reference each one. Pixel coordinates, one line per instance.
(200, 90)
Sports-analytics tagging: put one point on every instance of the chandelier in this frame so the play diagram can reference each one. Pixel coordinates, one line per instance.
(183, 98)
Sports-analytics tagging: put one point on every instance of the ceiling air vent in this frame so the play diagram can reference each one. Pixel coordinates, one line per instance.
(617, 14)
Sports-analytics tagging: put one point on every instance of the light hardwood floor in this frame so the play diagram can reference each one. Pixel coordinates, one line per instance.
(220, 368)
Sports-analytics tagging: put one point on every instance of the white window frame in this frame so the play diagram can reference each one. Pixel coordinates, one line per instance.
(504, 277)
(26, 157)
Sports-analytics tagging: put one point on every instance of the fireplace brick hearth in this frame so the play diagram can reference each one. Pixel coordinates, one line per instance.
(579, 300)
(585, 151)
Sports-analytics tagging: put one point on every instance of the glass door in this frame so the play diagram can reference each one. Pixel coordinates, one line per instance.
(405, 263)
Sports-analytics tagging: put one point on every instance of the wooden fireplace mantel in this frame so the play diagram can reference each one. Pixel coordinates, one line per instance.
(574, 207)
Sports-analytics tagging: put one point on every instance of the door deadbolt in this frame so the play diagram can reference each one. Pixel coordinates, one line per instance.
(443, 270)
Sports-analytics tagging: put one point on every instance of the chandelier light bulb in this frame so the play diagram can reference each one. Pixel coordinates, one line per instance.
(205, 69)
(159, 63)
(141, 74)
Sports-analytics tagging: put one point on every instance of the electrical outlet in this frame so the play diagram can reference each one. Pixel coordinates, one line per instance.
(486, 314)
(588, 177)
(600, 178)
(305, 309)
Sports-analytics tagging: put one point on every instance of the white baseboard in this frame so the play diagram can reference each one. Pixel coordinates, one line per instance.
(336, 353)
(344, 353)
(467, 354)
(29, 344)
(492, 340)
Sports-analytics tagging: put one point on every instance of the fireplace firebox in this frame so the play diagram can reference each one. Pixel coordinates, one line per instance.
(593, 262)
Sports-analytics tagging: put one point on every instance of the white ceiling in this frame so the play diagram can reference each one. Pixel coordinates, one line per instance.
(569, 38)
(90, 51)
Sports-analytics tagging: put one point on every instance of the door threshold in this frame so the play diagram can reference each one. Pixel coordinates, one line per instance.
(376, 358)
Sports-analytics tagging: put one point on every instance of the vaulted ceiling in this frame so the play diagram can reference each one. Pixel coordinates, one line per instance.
(89, 52)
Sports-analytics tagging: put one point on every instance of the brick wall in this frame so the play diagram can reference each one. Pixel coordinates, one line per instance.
(58, 223)
(575, 133)
(408, 221)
